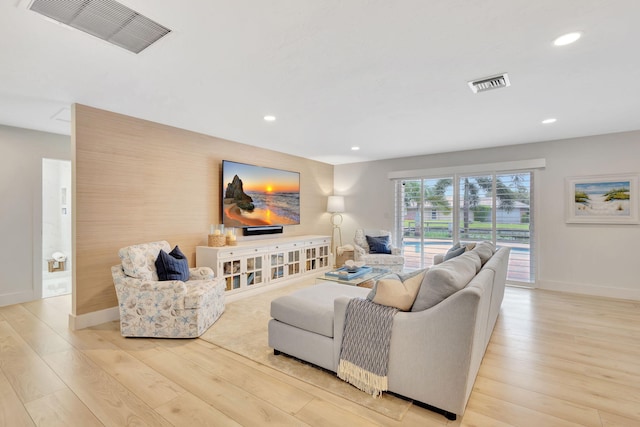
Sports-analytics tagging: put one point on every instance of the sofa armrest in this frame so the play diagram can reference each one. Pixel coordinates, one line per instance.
(359, 250)
(201, 273)
(396, 251)
(433, 352)
(129, 285)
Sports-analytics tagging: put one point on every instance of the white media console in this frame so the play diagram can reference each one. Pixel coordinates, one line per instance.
(256, 263)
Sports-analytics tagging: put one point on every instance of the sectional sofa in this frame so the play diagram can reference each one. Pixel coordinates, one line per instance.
(435, 351)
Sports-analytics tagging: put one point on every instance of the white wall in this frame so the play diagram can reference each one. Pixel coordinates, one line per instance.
(21, 209)
(593, 259)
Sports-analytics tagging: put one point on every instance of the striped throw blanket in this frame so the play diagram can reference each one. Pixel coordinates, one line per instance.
(364, 354)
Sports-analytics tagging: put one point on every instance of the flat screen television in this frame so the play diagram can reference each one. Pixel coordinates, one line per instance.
(254, 196)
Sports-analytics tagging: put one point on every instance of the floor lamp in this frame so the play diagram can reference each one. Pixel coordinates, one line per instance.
(335, 206)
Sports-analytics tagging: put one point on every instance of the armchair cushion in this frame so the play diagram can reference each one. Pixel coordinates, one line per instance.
(379, 244)
(173, 265)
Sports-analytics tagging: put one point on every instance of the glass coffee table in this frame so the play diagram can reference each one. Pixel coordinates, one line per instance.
(365, 281)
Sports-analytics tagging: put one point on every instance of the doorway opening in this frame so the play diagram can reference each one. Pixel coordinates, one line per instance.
(56, 227)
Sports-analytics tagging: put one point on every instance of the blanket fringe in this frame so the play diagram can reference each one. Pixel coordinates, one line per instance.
(361, 378)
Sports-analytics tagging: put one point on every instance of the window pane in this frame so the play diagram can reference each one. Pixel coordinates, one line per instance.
(513, 223)
(475, 203)
(427, 220)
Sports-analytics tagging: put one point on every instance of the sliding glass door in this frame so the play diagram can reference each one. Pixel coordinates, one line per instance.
(436, 212)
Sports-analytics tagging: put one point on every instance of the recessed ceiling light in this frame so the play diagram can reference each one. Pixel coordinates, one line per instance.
(567, 39)
(269, 118)
(548, 121)
(355, 148)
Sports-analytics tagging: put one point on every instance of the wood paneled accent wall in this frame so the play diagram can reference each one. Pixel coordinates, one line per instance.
(137, 181)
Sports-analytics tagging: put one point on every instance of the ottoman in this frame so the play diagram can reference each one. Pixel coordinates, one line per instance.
(302, 323)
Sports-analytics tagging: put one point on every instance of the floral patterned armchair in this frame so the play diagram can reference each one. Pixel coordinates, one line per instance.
(393, 261)
(164, 309)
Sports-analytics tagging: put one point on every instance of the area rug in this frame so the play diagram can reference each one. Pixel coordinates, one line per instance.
(242, 329)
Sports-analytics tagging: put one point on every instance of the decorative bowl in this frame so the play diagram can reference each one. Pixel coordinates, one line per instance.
(353, 266)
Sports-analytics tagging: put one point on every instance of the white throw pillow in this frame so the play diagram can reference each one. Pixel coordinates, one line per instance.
(397, 291)
(485, 250)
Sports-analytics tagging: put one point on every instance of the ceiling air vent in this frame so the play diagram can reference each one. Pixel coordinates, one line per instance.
(489, 83)
(105, 19)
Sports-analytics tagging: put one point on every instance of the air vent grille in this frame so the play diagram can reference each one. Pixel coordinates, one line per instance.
(489, 83)
(105, 19)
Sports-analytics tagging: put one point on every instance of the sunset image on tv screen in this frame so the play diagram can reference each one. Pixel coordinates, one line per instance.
(256, 195)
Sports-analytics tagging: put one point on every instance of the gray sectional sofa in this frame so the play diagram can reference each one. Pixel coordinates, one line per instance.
(435, 353)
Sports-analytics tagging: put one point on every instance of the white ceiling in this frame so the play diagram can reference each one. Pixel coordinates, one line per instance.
(389, 76)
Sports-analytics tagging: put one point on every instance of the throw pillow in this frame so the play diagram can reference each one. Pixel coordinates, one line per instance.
(474, 258)
(173, 265)
(484, 250)
(454, 252)
(397, 290)
(443, 280)
(379, 244)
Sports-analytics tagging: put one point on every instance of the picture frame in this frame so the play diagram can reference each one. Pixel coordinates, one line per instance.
(602, 199)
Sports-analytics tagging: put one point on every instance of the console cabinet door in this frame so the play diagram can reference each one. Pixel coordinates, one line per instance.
(241, 269)
(285, 261)
(294, 262)
(231, 271)
(317, 254)
(255, 270)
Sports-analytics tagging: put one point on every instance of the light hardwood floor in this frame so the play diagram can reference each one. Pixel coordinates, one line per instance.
(554, 360)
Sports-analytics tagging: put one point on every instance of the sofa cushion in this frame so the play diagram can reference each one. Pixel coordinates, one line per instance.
(379, 244)
(311, 309)
(138, 261)
(443, 280)
(172, 266)
(397, 290)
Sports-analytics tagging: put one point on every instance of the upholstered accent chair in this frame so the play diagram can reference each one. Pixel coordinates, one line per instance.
(164, 309)
(363, 241)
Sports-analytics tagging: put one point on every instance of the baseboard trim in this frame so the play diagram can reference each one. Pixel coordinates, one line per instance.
(94, 318)
(597, 291)
(110, 314)
(17, 298)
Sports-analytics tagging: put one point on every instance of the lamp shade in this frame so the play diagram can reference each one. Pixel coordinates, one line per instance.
(335, 204)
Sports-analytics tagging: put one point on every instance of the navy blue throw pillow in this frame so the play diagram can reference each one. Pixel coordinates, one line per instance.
(454, 252)
(379, 244)
(173, 265)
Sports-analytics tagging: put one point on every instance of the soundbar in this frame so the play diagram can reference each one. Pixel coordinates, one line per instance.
(263, 229)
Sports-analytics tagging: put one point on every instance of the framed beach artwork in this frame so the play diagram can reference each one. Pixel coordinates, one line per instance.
(605, 199)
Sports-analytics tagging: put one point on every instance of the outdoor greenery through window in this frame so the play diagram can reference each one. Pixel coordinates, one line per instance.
(436, 212)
